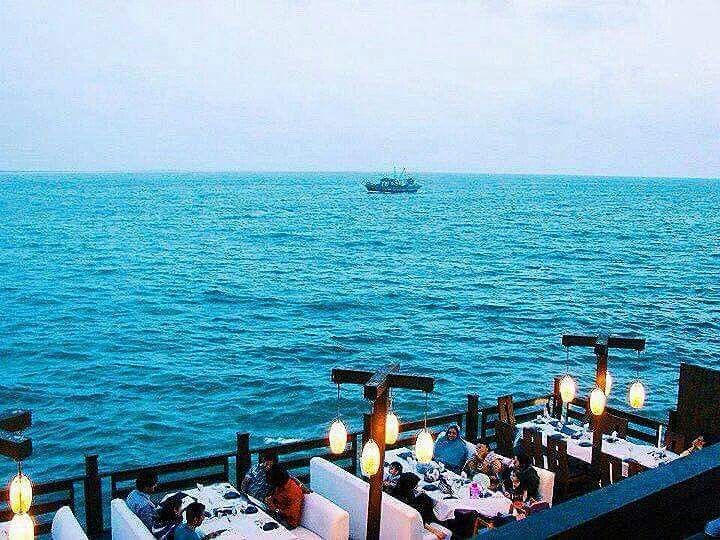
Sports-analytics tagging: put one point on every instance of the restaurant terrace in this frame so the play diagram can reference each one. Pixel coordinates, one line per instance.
(602, 472)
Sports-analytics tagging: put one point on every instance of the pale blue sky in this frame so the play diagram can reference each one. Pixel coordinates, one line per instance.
(626, 88)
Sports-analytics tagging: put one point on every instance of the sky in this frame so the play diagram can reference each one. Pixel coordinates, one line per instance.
(604, 88)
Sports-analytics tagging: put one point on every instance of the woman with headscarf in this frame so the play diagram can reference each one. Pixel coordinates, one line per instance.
(451, 449)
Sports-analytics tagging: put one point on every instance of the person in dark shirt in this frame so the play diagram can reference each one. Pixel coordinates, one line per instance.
(256, 482)
(528, 477)
(138, 500)
(405, 491)
(168, 517)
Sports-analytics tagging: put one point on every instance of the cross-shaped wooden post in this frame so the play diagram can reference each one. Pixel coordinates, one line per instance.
(601, 345)
(376, 389)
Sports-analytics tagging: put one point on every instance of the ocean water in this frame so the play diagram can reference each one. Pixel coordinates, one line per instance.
(148, 317)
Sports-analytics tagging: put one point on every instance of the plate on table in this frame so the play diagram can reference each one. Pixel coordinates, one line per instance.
(430, 487)
(232, 495)
(585, 444)
(270, 526)
(405, 455)
(250, 510)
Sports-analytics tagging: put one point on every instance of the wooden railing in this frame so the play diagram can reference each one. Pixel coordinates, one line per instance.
(99, 488)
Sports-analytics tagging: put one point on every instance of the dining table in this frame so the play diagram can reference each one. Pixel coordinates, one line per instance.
(452, 494)
(234, 515)
(579, 443)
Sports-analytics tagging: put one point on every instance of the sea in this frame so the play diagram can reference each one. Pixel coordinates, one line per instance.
(148, 317)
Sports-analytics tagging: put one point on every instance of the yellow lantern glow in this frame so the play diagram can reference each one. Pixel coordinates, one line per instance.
(597, 401)
(21, 527)
(608, 383)
(567, 388)
(370, 458)
(636, 395)
(392, 428)
(20, 494)
(338, 437)
(424, 447)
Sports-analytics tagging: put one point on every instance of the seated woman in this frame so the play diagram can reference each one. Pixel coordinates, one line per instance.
(405, 492)
(451, 449)
(528, 478)
(286, 496)
(168, 517)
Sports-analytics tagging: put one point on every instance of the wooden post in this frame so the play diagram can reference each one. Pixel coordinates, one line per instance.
(483, 424)
(471, 418)
(367, 423)
(598, 422)
(557, 398)
(242, 457)
(93, 498)
(376, 480)
(354, 448)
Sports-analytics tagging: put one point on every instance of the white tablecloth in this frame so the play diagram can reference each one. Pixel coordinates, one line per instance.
(645, 454)
(445, 508)
(240, 526)
(4, 530)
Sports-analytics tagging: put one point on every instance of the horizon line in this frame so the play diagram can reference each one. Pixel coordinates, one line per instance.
(329, 171)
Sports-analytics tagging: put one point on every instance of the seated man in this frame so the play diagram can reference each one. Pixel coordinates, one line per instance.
(483, 461)
(451, 450)
(138, 500)
(194, 516)
(405, 491)
(392, 475)
(255, 482)
(286, 496)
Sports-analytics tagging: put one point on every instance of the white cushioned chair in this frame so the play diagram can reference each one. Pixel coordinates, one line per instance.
(547, 484)
(125, 524)
(399, 521)
(65, 526)
(322, 519)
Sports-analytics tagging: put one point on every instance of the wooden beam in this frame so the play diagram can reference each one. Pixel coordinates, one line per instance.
(411, 382)
(350, 376)
(378, 383)
(626, 343)
(15, 420)
(570, 340)
(16, 447)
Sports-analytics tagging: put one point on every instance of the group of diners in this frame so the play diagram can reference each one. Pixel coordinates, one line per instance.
(268, 482)
(515, 478)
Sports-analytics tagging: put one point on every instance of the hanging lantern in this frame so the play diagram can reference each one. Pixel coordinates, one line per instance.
(370, 458)
(608, 383)
(597, 401)
(567, 388)
(338, 437)
(424, 447)
(392, 428)
(21, 527)
(636, 395)
(20, 494)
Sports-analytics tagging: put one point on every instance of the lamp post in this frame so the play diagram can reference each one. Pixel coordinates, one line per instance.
(598, 397)
(376, 388)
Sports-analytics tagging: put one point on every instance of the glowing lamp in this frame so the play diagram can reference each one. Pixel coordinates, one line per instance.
(21, 528)
(370, 458)
(597, 402)
(20, 494)
(567, 388)
(338, 437)
(636, 395)
(392, 428)
(424, 447)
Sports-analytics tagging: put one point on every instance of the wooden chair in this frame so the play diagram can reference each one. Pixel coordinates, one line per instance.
(634, 468)
(567, 482)
(532, 445)
(615, 423)
(675, 442)
(505, 438)
(610, 469)
(506, 411)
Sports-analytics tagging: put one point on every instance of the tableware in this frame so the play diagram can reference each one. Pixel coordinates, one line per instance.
(585, 444)
(430, 487)
(270, 526)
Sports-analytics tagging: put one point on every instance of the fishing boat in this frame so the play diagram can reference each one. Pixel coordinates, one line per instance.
(397, 183)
